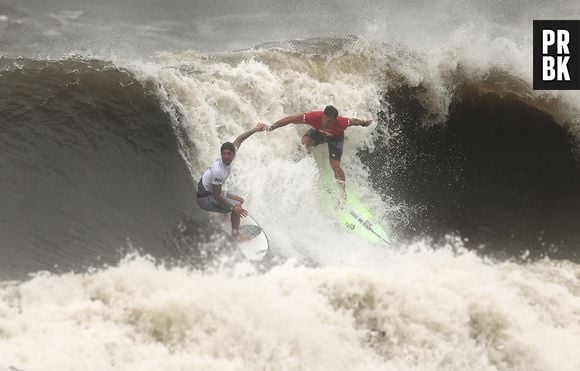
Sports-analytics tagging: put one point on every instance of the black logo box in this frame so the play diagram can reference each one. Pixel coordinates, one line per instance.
(573, 27)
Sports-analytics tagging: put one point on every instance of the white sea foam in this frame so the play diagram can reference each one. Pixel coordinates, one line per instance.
(418, 310)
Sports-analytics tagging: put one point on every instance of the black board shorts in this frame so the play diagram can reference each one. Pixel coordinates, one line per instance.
(334, 144)
(207, 201)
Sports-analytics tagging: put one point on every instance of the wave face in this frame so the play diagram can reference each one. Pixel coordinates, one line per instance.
(89, 165)
(460, 147)
(116, 151)
(502, 174)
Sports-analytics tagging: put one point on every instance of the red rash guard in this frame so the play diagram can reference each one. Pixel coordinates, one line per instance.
(314, 119)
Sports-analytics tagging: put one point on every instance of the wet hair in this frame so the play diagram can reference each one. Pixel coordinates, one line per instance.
(330, 111)
(228, 145)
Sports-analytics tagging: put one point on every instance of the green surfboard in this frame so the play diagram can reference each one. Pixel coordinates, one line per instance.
(352, 214)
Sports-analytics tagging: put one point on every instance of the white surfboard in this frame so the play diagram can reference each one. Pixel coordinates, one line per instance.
(256, 247)
(257, 244)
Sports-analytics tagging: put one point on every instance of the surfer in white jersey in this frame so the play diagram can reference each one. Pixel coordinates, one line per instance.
(210, 195)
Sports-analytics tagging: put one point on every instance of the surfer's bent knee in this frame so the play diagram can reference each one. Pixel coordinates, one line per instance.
(307, 141)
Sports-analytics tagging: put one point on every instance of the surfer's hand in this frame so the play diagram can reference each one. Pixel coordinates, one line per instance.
(261, 126)
(239, 199)
(366, 122)
(240, 211)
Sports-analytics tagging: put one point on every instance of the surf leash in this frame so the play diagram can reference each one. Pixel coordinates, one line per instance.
(265, 235)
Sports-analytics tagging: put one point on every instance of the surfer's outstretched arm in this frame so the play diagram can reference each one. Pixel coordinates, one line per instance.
(294, 119)
(239, 140)
(358, 122)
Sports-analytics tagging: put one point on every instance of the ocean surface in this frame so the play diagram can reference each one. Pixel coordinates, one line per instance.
(111, 111)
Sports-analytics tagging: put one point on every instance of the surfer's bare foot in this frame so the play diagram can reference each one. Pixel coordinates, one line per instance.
(342, 189)
(240, 237)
